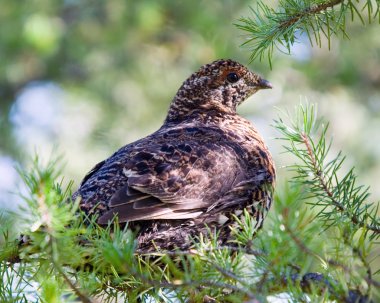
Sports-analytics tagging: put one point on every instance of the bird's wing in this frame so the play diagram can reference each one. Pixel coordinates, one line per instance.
(92, 172)
(178, 175)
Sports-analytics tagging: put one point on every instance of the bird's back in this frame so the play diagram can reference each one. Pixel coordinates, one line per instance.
(204, 165)
(197, 170)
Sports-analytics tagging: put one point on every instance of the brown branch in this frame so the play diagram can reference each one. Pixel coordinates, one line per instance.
(359, 254)
(73, 287)
(307, 282)
(334, 263)
(189, 283)
(319, 282)
(309, 11)
(76, 290)
(319, 174)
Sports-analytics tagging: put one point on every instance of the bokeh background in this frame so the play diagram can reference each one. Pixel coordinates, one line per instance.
(82, 78)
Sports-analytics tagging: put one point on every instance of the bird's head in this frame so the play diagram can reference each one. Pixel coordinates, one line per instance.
(219, 86)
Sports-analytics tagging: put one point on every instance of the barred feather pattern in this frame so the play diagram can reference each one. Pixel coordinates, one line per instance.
(204, 165)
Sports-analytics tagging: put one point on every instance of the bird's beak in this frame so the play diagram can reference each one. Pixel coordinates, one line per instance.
(263, 84)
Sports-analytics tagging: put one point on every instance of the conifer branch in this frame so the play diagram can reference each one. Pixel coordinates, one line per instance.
(312, 10)
(320, 176)
(106, 264)
(321, 179)
(280, 28)
(57, 267)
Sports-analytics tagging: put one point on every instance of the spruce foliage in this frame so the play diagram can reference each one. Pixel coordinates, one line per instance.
(319, 243)
(278, 28)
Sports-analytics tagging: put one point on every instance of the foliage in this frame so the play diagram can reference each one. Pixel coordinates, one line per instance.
(105, 54)
(117, 64)
(269, 28)
(333, 194)
(319, 243)
(333, 237)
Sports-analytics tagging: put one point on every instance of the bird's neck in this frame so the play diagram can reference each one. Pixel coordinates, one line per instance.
(183, 108)
(209, 118)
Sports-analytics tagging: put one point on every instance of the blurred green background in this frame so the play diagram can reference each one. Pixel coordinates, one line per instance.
(82, 78)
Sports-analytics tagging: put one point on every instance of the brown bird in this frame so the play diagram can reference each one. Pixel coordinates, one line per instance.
(203, 165)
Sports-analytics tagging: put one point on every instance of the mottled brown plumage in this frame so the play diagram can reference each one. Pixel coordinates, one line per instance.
(204, 164)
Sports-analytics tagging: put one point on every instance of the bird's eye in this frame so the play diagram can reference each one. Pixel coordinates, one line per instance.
(232, 77)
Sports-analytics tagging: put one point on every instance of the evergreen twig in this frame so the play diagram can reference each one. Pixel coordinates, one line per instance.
(106, 265)
(270, 28)
(320, 176)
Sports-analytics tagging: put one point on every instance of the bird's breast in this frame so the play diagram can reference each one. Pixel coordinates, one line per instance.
(255, 151)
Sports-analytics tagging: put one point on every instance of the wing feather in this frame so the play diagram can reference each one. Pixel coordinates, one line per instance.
(128, 213)
(175, 174)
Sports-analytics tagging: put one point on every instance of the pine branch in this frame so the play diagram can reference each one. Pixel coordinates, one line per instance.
(331, 262)
(320, 176)
(311, 282)
(306, 13)
(269, 28)
(83, 298)
(334, 194)
(90, 261)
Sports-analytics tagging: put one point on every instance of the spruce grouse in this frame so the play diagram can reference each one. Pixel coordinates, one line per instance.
(203, 165)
